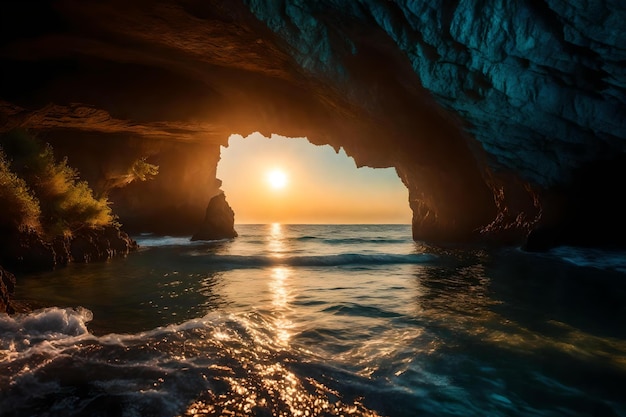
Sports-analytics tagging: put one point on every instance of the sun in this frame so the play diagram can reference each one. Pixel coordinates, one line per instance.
(277, 178)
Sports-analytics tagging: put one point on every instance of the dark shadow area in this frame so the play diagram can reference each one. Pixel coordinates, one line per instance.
(589, 211)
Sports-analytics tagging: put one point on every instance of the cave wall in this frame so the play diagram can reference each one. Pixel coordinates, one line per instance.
(539, 84)
(538, 87)
(491, 112)
(173, 202)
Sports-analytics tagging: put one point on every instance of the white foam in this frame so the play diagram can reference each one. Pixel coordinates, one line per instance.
(162, 241)
(22, 331)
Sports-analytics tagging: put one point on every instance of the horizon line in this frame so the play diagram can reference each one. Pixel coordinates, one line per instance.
(323, 224)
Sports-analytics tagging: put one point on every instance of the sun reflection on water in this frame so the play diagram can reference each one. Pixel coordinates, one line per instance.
(281, 296)
(278, 286)
(276, 241)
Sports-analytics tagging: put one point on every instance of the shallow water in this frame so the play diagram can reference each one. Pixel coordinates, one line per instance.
(321, 320)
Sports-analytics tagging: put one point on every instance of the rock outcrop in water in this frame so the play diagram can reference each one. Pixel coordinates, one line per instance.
(218, 222)
(490, 112)
(28, 251)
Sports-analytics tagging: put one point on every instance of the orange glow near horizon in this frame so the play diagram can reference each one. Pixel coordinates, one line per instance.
(290, 181)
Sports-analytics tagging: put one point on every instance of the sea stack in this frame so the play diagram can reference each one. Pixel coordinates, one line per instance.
(219, 221)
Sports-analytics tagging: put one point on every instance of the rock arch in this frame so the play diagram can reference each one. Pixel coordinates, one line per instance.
(491, 117)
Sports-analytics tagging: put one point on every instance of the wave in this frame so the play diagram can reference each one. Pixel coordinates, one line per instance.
(161, 241)
(214, 363)
(346, 259)
(594, 258)
(148, 240)
(352, 240)
(24, 331)
(305, 238)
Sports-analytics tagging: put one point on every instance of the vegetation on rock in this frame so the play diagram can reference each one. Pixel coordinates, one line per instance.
(19, 209)
(38, 192)
(140, 170)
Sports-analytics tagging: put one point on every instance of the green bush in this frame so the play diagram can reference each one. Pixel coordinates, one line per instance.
(143, 171)
(19, 209)
(66, 203)
(140, 170)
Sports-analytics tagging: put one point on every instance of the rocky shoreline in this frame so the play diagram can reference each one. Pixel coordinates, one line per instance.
(7, 285)
(29, 252)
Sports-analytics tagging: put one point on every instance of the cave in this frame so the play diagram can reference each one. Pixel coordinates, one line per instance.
(504, 120)
(505, 124)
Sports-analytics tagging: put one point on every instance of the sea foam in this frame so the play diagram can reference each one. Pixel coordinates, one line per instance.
(22, 331)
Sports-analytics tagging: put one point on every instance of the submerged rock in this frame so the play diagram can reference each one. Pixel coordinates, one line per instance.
(219, 221)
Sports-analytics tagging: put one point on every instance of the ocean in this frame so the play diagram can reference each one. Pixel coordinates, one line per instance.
(320, 320)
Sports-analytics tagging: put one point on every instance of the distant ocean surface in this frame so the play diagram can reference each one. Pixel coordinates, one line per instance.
(319, 320)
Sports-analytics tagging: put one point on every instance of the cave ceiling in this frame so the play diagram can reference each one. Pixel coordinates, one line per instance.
(488, 110)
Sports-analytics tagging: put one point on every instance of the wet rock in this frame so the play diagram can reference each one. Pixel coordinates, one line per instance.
(7, 286)
(61, 247)
(100, 244)
(27, 251)
(218, 222)
(30, 252)
(466, 100)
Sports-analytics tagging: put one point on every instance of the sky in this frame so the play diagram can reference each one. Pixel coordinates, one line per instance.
(320, 186)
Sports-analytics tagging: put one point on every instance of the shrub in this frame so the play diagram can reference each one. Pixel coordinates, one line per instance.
(140, 170)
(143, 171)
(66, 203)
(19, 209)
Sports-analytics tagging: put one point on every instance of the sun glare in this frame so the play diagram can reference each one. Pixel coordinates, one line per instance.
(291, 181)
(277, 178)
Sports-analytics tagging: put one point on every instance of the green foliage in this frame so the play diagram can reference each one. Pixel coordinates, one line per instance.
(19, 209)
(66, 203)
(140, 170)
(143, 171)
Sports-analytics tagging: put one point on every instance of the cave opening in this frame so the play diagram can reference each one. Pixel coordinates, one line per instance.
(292, 181)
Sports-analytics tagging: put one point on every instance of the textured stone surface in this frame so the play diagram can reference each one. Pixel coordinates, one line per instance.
(490, 111)
(218, 222)
(7, 285)
(539, 84)
(28, 251)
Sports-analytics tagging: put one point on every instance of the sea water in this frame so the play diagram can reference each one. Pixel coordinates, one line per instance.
(307, 320)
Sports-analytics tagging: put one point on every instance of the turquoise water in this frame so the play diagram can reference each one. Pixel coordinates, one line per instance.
(321, 320)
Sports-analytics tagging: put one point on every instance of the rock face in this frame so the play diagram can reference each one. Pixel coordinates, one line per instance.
(218, 221)
(7, 285)
(500, 117)
(29, 252)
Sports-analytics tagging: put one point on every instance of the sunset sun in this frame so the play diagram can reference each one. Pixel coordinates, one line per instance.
(277, 179)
